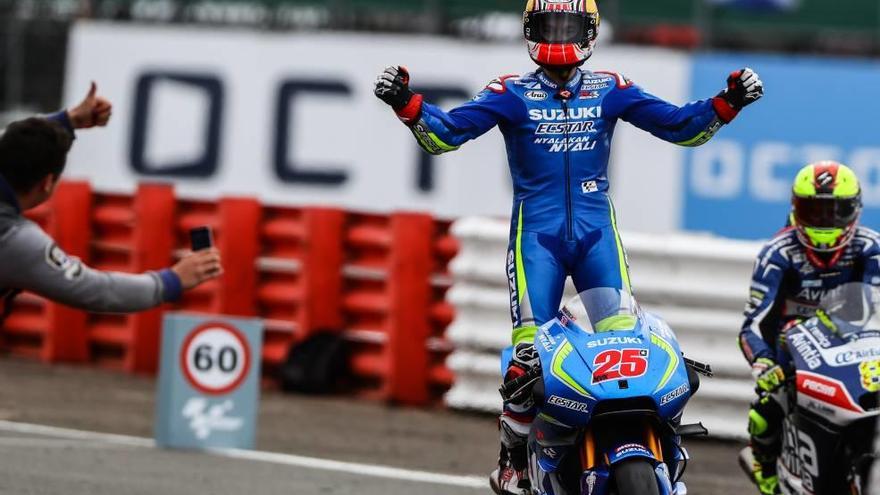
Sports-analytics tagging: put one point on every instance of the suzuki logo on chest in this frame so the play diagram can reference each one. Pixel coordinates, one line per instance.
(558, 114)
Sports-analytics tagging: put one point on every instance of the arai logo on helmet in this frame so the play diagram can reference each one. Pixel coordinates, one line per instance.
(536, 95)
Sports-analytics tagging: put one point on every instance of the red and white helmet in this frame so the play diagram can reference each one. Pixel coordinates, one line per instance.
(561, 33)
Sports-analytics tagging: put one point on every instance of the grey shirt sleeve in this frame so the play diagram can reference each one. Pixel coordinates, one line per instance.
(30, 260)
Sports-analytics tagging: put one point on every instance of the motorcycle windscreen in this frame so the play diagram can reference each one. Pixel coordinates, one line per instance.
(851, 308)
(602, 309)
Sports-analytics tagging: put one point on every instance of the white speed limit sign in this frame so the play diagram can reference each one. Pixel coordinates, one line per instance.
(215, 358)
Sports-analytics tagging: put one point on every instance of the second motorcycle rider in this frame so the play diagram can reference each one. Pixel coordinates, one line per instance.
(558, 122)
(822, 249)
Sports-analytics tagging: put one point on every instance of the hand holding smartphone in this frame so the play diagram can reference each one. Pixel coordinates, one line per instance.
(201, 238)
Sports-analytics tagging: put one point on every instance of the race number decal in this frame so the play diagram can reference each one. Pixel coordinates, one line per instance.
(800, 455)
(215, 358)
(870, 371)
(617, 364)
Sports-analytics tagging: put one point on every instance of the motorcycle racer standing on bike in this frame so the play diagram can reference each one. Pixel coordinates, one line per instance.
(822, 249)
(558, 122)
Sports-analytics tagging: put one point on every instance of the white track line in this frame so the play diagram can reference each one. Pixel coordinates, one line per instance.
(356, 468)
(54, 431)
(32, 442)
(371, 470)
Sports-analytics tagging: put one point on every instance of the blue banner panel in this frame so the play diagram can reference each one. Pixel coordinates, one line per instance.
(739, 185)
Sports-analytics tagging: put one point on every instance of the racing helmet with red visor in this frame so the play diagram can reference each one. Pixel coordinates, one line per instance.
(826, 205)
(561, 33)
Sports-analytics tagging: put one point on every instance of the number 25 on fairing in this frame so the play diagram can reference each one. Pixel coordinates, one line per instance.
(617, 364)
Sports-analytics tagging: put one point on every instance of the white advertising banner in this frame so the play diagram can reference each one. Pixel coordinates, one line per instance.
(291, 119)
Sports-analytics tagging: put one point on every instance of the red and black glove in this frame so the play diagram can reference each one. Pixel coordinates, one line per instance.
(392, 87)
(524, 360)
(744, 87)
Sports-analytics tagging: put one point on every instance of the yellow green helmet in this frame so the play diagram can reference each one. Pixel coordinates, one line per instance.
(826, 203)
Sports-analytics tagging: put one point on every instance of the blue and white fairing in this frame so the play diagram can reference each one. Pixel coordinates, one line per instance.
(834, 358)
(600, 349)
(837, 366)
(583, 367)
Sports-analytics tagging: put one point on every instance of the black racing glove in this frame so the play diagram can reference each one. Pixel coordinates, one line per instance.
(744, 87)
(392, 87)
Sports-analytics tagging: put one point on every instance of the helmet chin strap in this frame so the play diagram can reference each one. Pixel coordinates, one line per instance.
(816, 260)
(555, 68)
(560, 75)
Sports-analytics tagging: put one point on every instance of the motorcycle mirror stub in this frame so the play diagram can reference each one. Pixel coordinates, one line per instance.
(691, 430)
(701, 368)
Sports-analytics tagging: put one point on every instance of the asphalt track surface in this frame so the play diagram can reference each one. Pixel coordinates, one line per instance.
(69, 430)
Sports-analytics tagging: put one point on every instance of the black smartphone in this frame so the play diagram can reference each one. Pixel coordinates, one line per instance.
(201, 238)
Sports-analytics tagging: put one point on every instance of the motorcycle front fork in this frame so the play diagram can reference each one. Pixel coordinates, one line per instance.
(596, 472)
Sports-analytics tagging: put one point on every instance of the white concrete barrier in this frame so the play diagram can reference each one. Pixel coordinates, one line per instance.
(698, 284)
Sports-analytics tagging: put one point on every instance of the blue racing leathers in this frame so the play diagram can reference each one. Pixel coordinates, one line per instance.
(558, 144)
(789, 281)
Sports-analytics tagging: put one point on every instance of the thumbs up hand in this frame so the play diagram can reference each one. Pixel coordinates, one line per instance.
(93, 111)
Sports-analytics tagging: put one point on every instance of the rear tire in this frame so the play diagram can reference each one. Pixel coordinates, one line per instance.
(635, 477)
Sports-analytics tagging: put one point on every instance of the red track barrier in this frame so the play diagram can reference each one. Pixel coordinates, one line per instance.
(238, 238)
(409, 292)
(235, 223)
(300, 276)
(131, 235)
(393, 300)
(380, 279)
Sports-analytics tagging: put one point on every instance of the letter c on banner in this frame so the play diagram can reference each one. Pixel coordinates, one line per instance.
(717, 170)
(285, 169)
(764, 184)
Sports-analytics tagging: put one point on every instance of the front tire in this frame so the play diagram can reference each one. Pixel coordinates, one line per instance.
(635, 477)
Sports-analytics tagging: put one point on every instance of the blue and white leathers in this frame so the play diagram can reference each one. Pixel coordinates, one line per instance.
(788, 284)
(558, 145)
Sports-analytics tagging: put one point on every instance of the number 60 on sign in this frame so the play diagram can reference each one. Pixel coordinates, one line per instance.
(215, 358)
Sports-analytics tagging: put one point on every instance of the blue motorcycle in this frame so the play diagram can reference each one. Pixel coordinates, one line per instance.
(610, 392)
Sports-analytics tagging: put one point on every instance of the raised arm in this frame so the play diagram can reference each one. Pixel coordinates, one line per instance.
(435, 130)
(43, 268)
(94, 110)
(693, 124)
